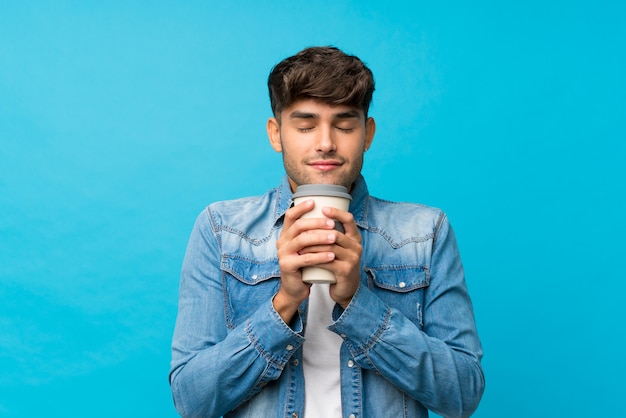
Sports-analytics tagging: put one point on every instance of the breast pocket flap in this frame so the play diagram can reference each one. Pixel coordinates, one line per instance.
(250, 271)
(400, 279)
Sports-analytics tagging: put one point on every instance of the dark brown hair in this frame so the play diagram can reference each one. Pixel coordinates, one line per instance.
(322, 73)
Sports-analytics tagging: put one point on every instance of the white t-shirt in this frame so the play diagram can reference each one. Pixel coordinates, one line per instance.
(320, 355)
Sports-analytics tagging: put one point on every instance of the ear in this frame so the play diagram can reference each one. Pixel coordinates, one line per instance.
(273, 133)
(370, 130)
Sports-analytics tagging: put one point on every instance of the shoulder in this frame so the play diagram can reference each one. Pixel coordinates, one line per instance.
(404, 221)
(245, 208)
(243, 214)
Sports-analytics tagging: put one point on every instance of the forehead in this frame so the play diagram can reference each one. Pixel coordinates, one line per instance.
(309, 108)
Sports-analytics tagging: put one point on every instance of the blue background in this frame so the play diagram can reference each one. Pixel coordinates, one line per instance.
(121, 120)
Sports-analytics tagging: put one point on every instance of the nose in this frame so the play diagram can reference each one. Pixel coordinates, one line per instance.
(325, 140)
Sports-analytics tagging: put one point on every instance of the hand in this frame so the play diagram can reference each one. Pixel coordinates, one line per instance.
(293, 246)
(347, 261)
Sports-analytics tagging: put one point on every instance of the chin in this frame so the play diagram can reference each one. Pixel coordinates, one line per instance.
(338, 179)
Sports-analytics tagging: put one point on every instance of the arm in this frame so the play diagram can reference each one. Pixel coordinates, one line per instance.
(439, 366)
(214, 369)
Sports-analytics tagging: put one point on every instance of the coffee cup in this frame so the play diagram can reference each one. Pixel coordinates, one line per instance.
(324, 195)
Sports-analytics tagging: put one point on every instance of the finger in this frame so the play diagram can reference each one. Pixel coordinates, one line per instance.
(291, 264)
(294, 213)
(312, 239)
(317, 249)
(346, 219)
(294, 224)
(351, 255)
(306, 232)
(290, 251)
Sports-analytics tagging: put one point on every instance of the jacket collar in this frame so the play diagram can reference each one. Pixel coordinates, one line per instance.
(358, 206)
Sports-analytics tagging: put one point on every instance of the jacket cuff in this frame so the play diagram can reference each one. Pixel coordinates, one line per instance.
(273, 338)
(361, 324)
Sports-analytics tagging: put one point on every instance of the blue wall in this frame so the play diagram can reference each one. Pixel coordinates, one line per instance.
(120, 121)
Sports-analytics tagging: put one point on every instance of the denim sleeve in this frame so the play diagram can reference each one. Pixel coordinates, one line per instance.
(214, 368)
(438, 366)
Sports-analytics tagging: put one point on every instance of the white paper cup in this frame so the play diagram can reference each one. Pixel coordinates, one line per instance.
(324, 195)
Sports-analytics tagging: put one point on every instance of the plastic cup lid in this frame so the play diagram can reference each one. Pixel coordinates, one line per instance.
(321, 190)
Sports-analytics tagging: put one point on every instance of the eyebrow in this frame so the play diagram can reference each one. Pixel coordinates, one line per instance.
(297, 114)
(348, 115)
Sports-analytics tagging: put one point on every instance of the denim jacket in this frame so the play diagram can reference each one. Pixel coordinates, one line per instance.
(409, 338)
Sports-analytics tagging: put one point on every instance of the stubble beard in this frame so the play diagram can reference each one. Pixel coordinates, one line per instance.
(297, 173)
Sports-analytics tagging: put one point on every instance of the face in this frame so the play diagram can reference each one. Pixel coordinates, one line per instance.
(321, 144)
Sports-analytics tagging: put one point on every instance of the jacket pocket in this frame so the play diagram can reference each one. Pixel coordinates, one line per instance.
(401, 287)
(247, 284)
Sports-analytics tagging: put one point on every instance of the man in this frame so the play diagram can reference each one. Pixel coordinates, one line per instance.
(394, 337)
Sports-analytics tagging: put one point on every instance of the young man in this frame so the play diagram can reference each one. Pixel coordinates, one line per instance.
(394, 337)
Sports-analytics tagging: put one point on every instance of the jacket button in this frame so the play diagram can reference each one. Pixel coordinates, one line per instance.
(289, 347)
(350, 363)
(352, 416)
(296, 362)
(402, 285)
(294, 415)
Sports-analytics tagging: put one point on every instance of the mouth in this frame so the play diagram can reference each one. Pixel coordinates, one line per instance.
(325, 165)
